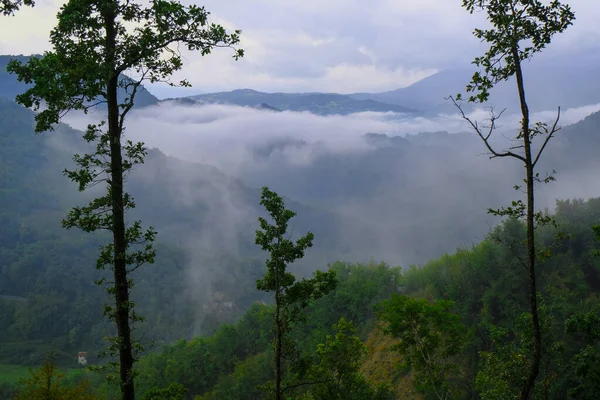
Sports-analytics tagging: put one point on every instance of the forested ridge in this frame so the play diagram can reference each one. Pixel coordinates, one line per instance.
(50, 301)
(129, 273)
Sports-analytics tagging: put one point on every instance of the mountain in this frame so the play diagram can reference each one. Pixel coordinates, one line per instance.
(188, 101)
(265, 106)
(411, 198)
(547, 85)
(400, 199)
(205, 219)
(10, 87)
(316, 103)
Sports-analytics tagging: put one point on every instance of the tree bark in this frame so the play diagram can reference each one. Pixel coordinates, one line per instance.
(531, 255)
(278, 347)
(118, 213)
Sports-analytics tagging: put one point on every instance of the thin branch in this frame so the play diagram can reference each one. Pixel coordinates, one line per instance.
(306, 383)
(486, 137)
(552, 132)
(510, 247)
(129, 105)
(137, 265)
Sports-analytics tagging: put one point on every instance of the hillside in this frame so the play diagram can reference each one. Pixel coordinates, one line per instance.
(548, 86)
(206, 222)
(316, 103)
(483, 285)
(399, 197)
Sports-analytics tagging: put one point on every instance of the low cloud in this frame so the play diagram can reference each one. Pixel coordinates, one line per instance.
(228, 137)
(404, 200)
(261, 147)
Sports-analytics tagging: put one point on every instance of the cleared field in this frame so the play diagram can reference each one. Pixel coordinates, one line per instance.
(10, 374)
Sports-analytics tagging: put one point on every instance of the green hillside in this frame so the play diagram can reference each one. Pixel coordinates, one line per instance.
(48, 300)
(316, 103)
(483, 282)
(47, 274)
(242, 245)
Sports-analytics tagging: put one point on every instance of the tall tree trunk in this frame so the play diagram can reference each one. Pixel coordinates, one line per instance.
(531, 255)
(278, 347)
(118, 212)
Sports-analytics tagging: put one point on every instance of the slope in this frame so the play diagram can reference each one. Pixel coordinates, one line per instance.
(547, 85)
(316, 103)
(205, 220)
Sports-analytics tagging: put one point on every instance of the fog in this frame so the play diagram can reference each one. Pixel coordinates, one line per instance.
(325, 161)
(404, 198)
(227, 136)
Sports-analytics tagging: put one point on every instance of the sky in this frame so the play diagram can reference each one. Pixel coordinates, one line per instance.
(342, 46)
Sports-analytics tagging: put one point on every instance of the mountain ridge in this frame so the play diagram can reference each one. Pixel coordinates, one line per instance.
(314, 102)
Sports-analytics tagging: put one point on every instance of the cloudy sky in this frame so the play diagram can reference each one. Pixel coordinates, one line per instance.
(314, 45)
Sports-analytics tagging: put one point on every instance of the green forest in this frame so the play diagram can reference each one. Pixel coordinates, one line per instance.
(97, 250)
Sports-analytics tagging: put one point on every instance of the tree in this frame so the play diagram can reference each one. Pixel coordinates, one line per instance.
(431, 338)
(520, 29)
(175, 391)
(94, 44)
(596, 230)
(291, 296)
(8, 7)
(338, 369)
(503, 369)
(47, 384)
(585, 364)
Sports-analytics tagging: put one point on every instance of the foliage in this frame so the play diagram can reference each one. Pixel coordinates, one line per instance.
(524, 26)
(245, 382)
(175, 391)
(48, 384)
(585, 364)
(504, 367)
(336, 374)
(146, 50)
(8, 7)
(431, 339)
(237, 358)
(291, 296)
(73, 77)
(484, 283)
(520, 28)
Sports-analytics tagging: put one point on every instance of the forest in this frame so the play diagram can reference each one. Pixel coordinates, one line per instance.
(128, 273)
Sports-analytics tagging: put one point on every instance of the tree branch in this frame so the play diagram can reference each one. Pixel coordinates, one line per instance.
(306, 383)
(550, 134)
(486, 137)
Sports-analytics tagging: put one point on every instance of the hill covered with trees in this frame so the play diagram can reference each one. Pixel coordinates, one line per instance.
(183, 282)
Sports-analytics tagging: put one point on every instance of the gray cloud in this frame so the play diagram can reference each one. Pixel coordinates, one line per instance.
(344, 46)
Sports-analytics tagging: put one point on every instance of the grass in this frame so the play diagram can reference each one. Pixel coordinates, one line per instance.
(10, 374)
